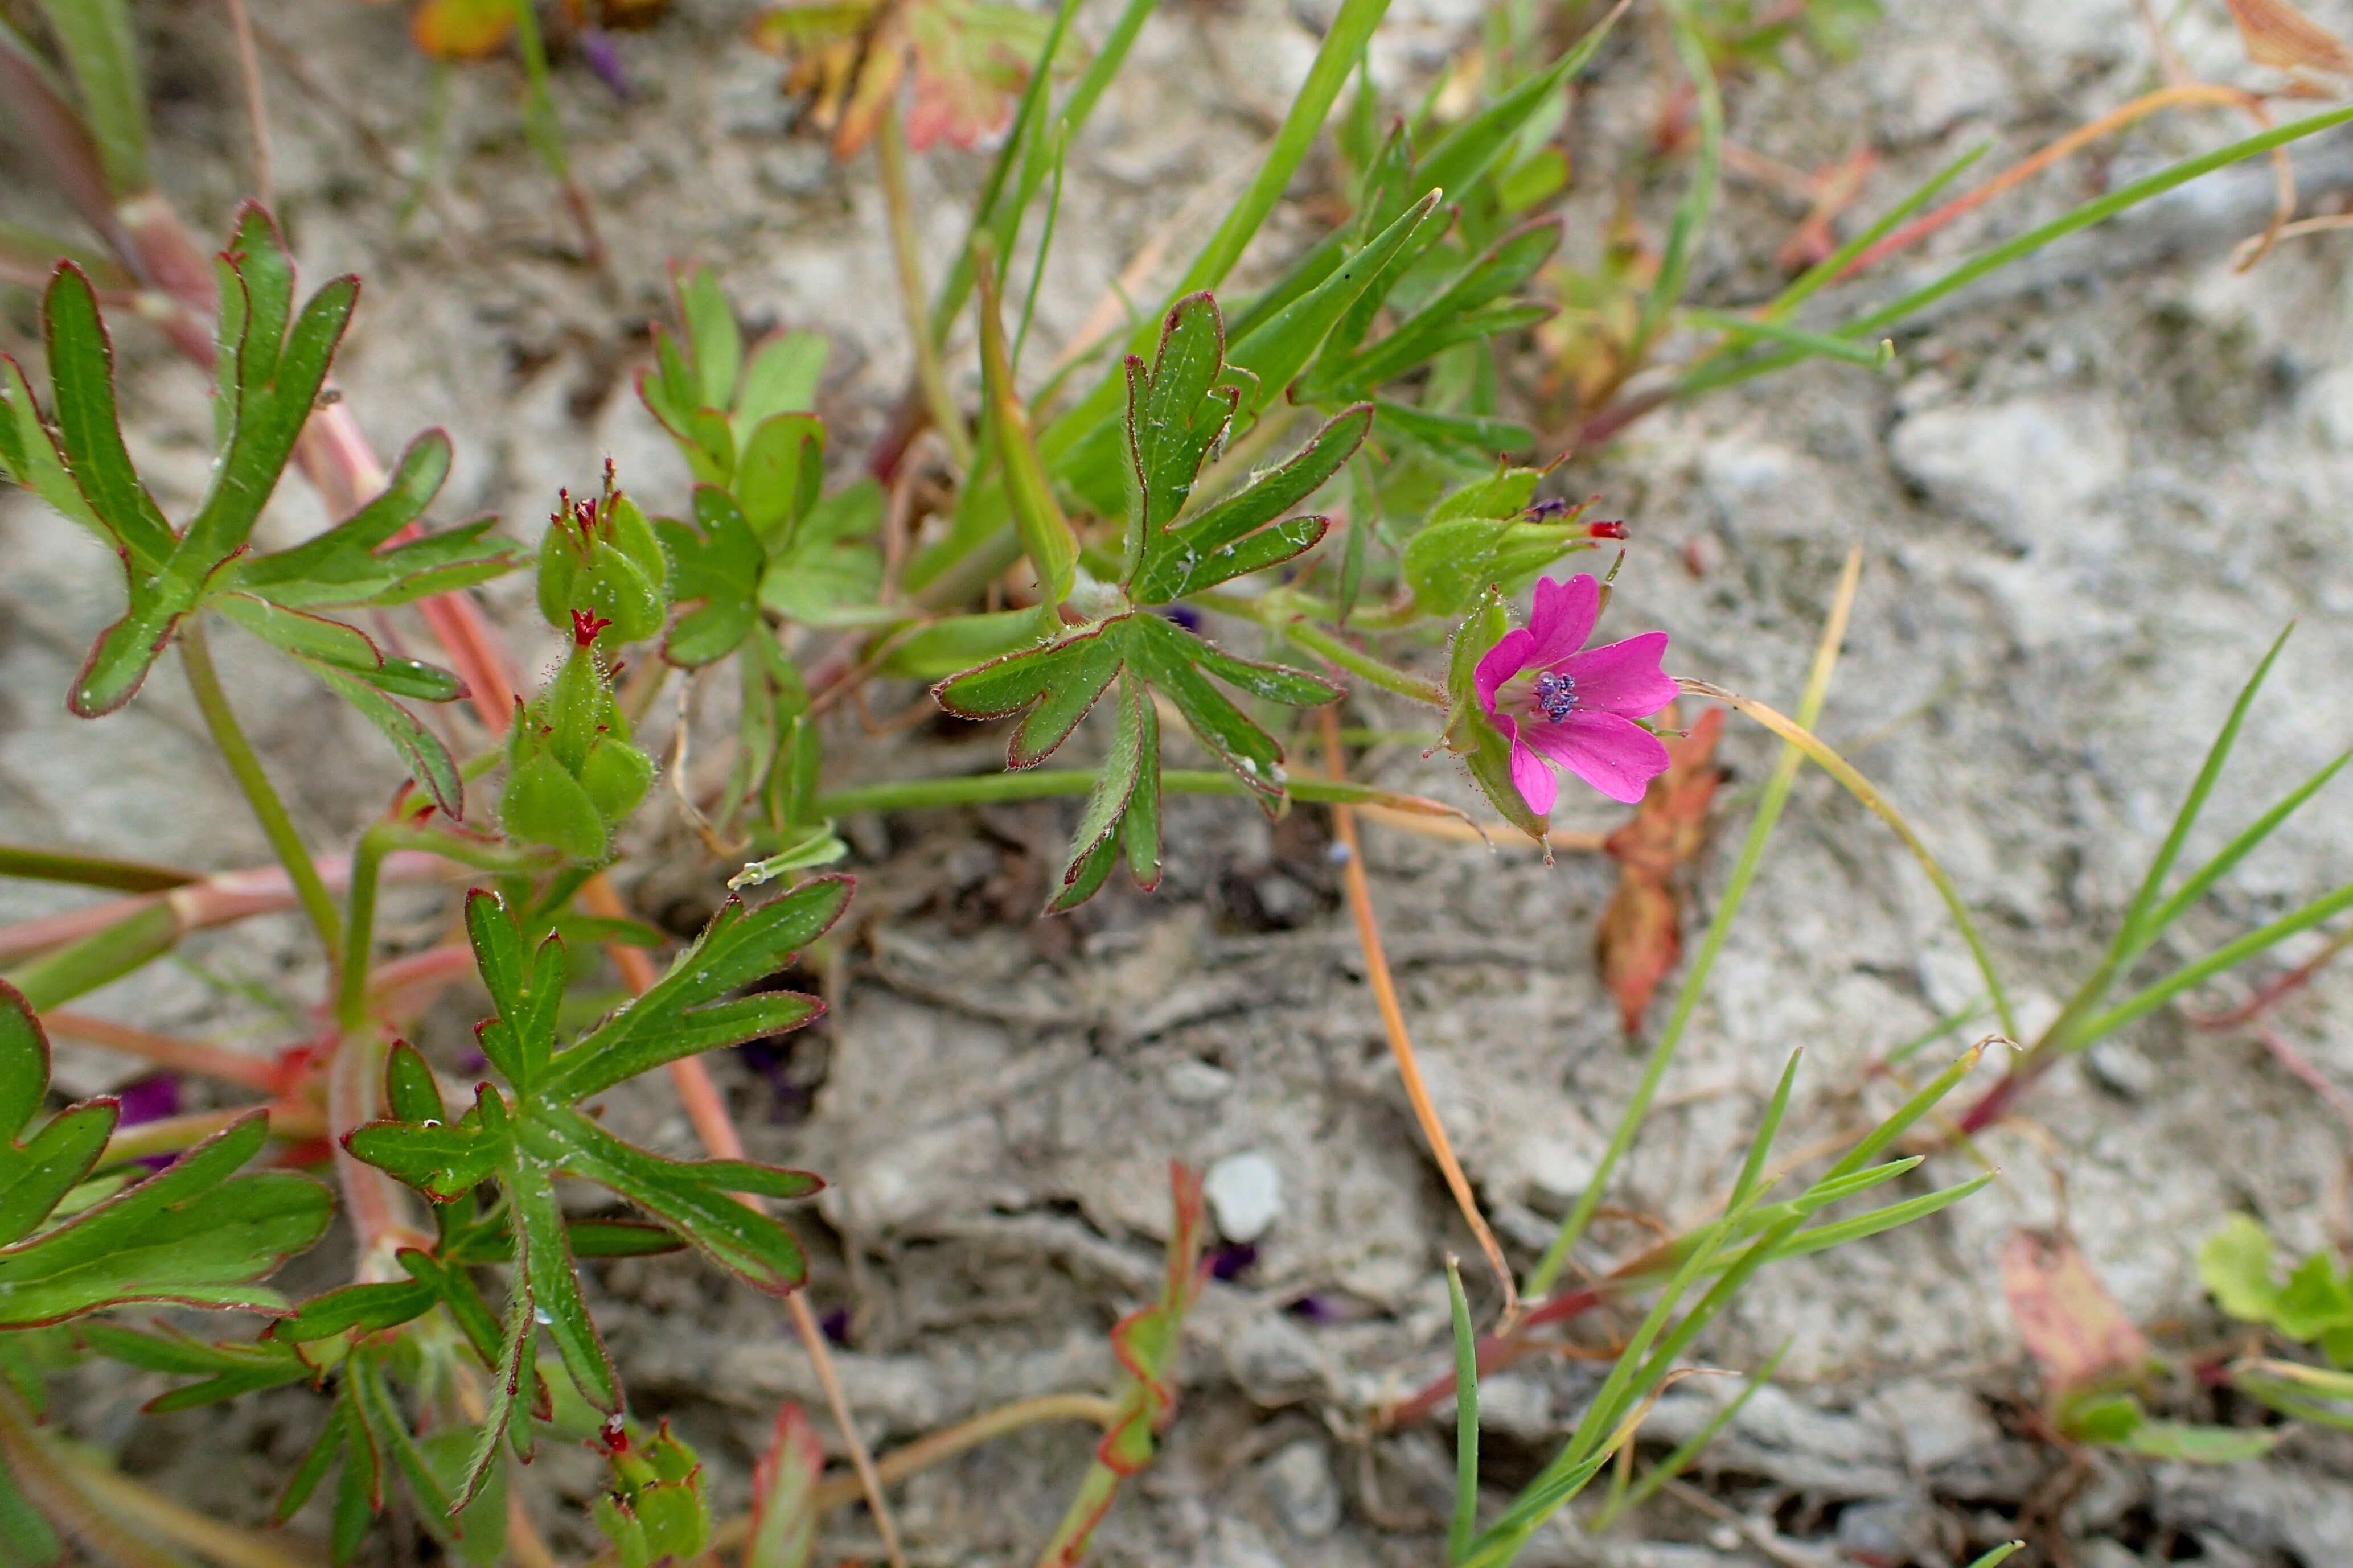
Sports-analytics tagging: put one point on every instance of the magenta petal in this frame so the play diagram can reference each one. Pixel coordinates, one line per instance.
(1533, 779)
(1614, 754)
(1623, 676)
(1562, 618)
(1499, 663)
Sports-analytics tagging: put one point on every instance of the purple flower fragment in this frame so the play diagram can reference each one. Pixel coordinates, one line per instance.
(149, 1100)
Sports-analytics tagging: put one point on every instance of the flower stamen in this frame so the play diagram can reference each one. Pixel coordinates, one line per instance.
(1556, 695)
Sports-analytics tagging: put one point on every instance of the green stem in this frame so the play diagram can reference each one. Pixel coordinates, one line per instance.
(1042, 783)
(203, 682)
(1388, 677)
(359, 931)
(1744, 871)
(891, 154)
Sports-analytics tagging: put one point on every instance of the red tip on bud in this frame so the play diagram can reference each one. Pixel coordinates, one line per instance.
(1605, 530)
(586, 626)
(613, 1438)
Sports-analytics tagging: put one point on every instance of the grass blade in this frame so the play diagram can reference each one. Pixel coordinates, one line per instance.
(2209, 772)
(2034, 240)
(1466, 1417)
(1698, 203)
(1676, 1462)
(2206, 875)
(2231, 953)
(1823, 271)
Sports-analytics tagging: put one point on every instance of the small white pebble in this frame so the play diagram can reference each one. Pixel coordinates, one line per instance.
(1245, 1192)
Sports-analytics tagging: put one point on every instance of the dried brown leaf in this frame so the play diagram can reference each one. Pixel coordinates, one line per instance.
(2276, 34)
(1640, 935)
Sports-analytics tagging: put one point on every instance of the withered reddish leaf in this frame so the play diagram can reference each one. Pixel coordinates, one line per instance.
(2276, 34)
(1640, 934)
(970, 60)
(462, 29)
(2071, 1325)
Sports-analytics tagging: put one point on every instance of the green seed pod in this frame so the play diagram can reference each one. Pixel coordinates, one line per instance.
(602, 557)
(654, 1510)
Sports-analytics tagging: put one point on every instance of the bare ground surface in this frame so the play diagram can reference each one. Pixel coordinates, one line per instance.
(2086, 507)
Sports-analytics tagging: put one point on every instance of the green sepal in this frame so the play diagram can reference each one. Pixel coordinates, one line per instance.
(1473, 738)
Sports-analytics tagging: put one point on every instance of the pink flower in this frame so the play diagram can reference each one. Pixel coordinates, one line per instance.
(1557, 700)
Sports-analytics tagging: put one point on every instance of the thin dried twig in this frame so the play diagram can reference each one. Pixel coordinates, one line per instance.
(257, 108)
(1377, 972)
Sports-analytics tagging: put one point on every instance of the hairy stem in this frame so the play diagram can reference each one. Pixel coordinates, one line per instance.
(891, 155)
(171, 1134)
(359, 933)
(1388, 677)
(164, 1051)
(310, 889)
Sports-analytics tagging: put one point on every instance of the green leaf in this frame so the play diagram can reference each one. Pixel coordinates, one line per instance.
(345, 551)
(81, 376)
(777, 479)
(555, 1287)
(1225, 541)
(269, 389)
(2234, 1264)
(740, 1239)
(1052, 686)
(1178, 414)
(444, 1162)
(710, 328)
(306, 636)
(721, 567)
(410, 1091)
(118, 661)
(2314, 1300)
(421, 751)
(197, 1234)
(740, 946)
(527, 989)
(2201, 1445)
(1469, 440)
(1135, 748)
(29, 456)
(782, 377)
